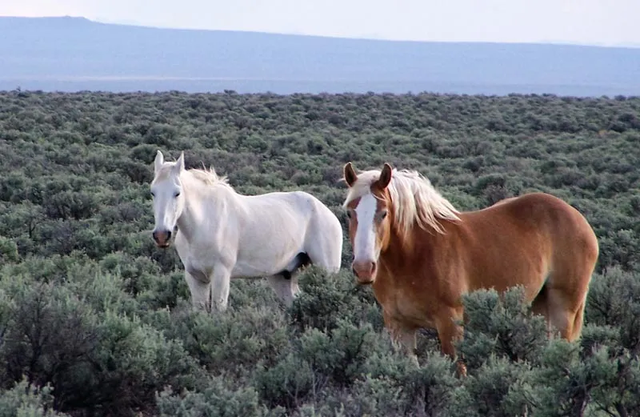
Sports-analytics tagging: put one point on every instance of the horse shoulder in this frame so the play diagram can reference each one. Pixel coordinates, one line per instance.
(416, 285)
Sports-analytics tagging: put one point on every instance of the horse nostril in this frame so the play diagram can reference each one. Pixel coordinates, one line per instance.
(155, 236)
(372, 267)
(168, 235)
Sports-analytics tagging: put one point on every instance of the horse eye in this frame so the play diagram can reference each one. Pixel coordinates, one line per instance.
(383, 214)
(177, 194)
(348, 214)
(153, 194)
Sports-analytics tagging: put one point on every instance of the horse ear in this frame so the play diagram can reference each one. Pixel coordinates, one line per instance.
(157, 163)
(179, 167)
(350, 175)
(385, 176)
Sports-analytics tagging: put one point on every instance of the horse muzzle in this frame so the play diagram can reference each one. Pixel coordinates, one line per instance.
(365, 271)
(162, 239)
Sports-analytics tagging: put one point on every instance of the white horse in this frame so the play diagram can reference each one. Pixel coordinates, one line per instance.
(222, 234)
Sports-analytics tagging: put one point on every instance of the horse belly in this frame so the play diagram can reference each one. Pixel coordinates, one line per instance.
(518, 269)
(270, 259)
(270, 242)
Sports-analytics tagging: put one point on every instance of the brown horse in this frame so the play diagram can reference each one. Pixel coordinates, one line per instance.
(421, 254)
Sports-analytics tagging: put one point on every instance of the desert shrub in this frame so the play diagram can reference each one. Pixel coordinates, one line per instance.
(26, 400)
(94, 358)
(286, 384)
(327, 299)
(215, 400)
(502, 326)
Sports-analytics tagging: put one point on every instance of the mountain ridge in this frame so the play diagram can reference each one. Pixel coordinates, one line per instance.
(75, 53)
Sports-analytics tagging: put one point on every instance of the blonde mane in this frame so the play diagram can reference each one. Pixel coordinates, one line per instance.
(207, 176)
(413, 199)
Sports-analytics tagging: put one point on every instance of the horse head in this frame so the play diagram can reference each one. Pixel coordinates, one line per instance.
(168, 199)
(370, 214)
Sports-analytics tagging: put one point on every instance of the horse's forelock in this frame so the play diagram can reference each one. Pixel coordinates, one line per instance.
(164, 172)
(362, 186)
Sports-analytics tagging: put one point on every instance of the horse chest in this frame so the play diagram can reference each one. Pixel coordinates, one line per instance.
(409, 303)
(197, 263)
(198, 270)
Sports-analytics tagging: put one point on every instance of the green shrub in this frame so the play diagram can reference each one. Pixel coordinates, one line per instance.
(215, 400)
(286, 384)
(26, 400)
(501, 325)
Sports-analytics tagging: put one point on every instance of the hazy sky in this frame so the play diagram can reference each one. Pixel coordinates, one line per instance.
(598, 22)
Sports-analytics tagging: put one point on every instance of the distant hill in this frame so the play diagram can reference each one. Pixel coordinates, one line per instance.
(70, 54)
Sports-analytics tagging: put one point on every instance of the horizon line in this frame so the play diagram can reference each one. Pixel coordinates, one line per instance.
(624, 45)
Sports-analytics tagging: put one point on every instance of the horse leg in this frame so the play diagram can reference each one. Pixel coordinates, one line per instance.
(286, 288)
(221, 281)
(578, 321)
(563, 308)
(402, 337)
(540, 306)
(407, 340)
(565, 313)
(449, 332)
(200, 292)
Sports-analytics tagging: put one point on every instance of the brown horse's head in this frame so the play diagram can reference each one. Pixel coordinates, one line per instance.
(369, 212)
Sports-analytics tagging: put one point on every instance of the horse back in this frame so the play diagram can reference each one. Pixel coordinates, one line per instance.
(527, 240)
(543, 212)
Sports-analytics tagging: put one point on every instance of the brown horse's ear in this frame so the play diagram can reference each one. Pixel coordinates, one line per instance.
(350, 175)
(385, 176)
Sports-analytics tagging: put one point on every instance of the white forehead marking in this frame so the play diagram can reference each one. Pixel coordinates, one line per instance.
(365, 236)
(366, 209)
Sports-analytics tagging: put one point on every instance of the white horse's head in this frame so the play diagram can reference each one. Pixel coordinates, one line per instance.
(168, 199)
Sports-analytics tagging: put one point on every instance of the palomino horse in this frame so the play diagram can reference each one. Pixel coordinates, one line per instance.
(222, 234)
(421, 254)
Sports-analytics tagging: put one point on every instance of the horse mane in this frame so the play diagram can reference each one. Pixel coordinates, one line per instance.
(209, 176)
(413, 199)
(204, 175)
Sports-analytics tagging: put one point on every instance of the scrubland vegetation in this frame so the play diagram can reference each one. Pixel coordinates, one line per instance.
(96, 321)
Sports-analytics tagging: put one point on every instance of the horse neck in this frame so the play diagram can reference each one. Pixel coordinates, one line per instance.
(202, 201)
(406, 252)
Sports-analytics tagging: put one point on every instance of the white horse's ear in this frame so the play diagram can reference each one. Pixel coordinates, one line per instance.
(179, 167)
(157, 163)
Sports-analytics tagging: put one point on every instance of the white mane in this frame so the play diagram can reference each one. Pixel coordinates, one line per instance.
(207, 176)
(413, 199)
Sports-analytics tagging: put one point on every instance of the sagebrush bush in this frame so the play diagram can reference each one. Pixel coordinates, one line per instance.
(26, 400)
(501, 325)
(287, 383)
(214, 400)
(327, 299)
